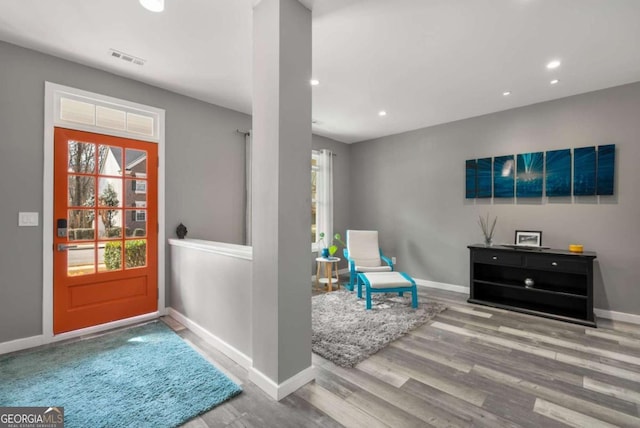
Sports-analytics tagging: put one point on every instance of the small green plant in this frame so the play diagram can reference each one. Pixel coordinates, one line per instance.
(333, 248)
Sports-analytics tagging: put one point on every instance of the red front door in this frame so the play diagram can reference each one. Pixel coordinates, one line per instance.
(105, 229)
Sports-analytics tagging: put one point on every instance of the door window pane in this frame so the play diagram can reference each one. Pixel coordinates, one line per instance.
(135, 162)
(135, 192)
(135, 253)
(110, 224)
(136, 223)
(80, 225)
(81, 260)
(110, 160)
(82, 157)
(81, 191)
(109, 192)
(109, 256)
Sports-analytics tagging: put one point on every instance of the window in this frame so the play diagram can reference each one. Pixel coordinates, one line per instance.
(321, 197)
(314, 200)
(140, 186)
(140, 215)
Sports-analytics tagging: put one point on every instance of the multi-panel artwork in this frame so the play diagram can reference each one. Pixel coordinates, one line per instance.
(584, 171)
(484, 178)
(526, 174)
(558, 178)
(471, 173)
(503, 173)
(606, 167)
(530, 175)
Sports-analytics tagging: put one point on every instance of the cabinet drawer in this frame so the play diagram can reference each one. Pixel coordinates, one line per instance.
(560, 264)
(498, 258)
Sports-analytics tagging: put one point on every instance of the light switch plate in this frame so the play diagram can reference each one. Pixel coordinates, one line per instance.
(27, 219)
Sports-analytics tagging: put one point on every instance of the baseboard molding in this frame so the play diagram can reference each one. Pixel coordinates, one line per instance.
(617, 316)
(280, 391)
(45, 339)
(20, 344)
(230, 351)
(442, 286)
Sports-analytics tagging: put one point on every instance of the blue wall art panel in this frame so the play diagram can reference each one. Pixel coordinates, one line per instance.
(530, 175)
(606, 168)
(584, 171)
(558, 176)
(484, 178)
(471, 168)
(503, 174)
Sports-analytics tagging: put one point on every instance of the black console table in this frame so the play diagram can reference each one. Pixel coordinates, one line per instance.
(560, 282)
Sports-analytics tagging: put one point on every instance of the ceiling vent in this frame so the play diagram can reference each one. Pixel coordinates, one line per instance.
(126, 57)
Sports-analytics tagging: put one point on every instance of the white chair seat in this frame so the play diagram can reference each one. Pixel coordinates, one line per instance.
(373, 268)
(387, 280)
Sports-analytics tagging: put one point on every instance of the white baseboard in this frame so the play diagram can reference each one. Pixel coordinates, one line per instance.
(280, 391)
(442, 286)
(20, 344)
(213, 340)
(104, 327)
(44, 339)
(617, 316)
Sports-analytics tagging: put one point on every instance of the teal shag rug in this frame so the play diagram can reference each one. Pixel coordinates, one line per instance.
(144, 376)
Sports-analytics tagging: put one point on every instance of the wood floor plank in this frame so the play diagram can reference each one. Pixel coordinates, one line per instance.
(423, 410)
(431, 378)
(382, 372)
(415, 347)
(567, 416)
(347, 414)
(383, 411)
(586, 407)
(571, 345)
(612, 390)
(477, 416)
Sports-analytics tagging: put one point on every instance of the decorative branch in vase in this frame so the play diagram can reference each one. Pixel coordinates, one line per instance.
(487, 230)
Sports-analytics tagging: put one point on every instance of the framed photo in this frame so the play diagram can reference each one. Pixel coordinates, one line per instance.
(528, 238)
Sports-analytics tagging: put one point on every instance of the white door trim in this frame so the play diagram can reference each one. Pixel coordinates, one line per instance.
(51, 119)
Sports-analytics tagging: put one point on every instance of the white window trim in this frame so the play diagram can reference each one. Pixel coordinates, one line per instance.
(315, 154)
(53, 92)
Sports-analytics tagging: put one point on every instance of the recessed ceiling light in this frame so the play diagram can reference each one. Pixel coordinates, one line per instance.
(314, 82)
(554, 81)
(553, 64)
(153, 5)
(506, 93)
(382, 113)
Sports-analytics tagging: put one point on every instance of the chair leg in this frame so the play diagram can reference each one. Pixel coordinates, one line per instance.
(414, 297)
(401, 293)
(351, 278)
(359, 285)
(368, 298)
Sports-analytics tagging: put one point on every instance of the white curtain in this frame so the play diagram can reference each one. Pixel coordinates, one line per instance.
(325, 195)
(247, 196)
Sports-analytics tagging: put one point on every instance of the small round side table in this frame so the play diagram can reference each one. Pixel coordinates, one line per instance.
(330, 266)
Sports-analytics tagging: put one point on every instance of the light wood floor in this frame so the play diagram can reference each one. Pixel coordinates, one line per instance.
(471, 366)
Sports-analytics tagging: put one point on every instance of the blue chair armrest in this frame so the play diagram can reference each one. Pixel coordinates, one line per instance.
(387, 260)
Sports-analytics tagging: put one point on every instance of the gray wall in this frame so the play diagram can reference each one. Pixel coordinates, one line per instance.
(204, 170)
(410, 186)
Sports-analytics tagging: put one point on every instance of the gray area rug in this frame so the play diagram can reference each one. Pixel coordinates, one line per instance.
(346, 333)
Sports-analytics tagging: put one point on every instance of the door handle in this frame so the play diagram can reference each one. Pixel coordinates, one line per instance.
(65, 247)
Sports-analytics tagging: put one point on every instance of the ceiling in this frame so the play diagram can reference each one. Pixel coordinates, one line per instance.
(424, 62)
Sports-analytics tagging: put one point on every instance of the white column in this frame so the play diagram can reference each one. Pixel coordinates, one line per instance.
(281, 292)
